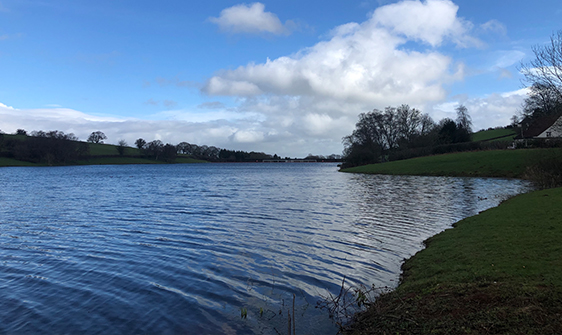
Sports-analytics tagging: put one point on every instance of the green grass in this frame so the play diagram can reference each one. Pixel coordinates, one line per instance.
(97, 149)
(493, 163)
(494, 134)
(188, 160)
(13, 162)
(103, 154)
(499, 272)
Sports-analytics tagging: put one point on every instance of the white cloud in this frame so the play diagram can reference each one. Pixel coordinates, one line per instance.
(316, 93)
(494, 26)
(362, 62)
(248, 136)
(508, 58)
(430, 21)
(252, 19)
(489, 111)
(306, 102)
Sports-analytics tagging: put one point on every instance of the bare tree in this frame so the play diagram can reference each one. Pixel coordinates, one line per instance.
(546, 69)
(542, 100)
(464, 120)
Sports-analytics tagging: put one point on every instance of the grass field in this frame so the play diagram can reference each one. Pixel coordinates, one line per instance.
(493, 163)
(494, 134)
(13, 162)
(97, 149)
(102, 154)
(499, 272)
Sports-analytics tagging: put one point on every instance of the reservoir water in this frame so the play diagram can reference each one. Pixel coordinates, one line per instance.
(183, 249)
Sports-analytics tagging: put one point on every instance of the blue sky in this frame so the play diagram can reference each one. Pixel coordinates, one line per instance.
(285, 77)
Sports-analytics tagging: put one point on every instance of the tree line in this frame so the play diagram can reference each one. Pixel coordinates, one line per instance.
(57, 148)
(403, 132)
(51, 147)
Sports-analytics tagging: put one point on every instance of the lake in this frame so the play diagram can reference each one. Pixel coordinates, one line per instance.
(182, 249)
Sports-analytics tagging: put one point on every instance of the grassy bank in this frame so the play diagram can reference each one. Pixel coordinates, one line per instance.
(494, 135)
(499, 272)
(102, 154)
(493, 163)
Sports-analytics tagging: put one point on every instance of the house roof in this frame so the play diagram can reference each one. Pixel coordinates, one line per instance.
(535, 127)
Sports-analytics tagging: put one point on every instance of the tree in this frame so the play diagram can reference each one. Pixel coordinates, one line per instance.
(514, 121)
(121, 147)
(169, 153)
(96, 137)
(184, 148)
(542, 101)
(155, 148)
(140, 143)
(21, 132)
(546, 69)
(464, 121)
(447, 132)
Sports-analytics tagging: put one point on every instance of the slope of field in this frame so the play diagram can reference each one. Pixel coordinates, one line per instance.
(494, 135)
(493, 163)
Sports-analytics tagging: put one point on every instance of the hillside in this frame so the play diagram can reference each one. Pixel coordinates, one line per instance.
(492, 163)
(22, 150)
(502, 134)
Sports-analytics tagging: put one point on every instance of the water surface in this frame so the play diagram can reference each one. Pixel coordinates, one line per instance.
(181, 249)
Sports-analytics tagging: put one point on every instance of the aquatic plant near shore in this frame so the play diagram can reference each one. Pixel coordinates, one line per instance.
(351, 300)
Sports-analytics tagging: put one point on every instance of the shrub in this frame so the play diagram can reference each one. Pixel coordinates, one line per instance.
(547, 173)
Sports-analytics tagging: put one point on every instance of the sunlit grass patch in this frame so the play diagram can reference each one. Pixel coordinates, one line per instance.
(492, 163)
(494, 134)
(497, 272)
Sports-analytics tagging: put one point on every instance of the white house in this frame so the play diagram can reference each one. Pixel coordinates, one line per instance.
(554, 131)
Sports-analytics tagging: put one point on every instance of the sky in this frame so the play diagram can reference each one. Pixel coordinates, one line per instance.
(281, 77)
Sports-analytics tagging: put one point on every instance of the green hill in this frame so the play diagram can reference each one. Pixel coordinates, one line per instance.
(97, 154)
(494, 135)
(492, 163)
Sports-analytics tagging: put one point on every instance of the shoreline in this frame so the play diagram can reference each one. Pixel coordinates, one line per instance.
(496, 272)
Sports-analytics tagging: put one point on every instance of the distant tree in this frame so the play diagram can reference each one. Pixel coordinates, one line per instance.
(38, 133)
(514, 121)
(408, 122)
(140, 143)
(447, 131)
(154, 149)
(121, 147)
(96, 137)
(169, 153)
(184, 148)
(464, 121)
(21, 132)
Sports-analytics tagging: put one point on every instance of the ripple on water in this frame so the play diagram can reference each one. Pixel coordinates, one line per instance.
(182, 248)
